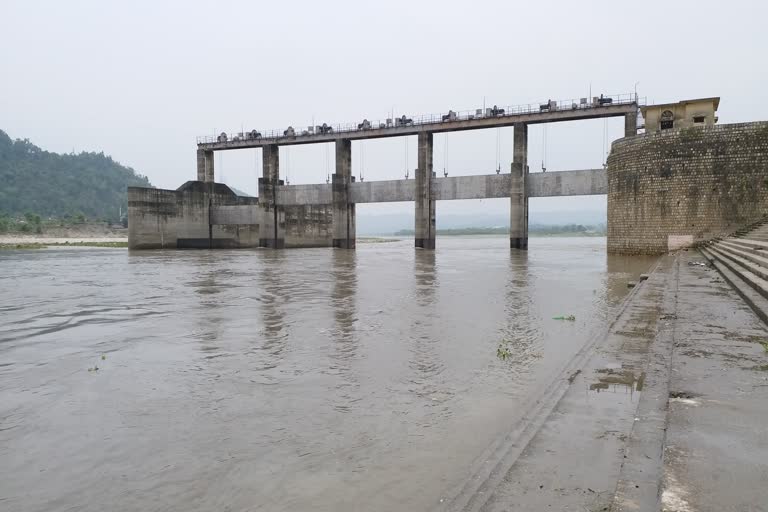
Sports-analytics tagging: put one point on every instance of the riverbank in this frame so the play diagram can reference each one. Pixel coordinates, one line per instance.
(29, 242)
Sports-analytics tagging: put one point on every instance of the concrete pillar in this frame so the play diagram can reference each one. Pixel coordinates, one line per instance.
(425, 205)
(343, 211)
(518, 195)
(200, 165)
(630, 124)
(205, 166)
(272, 233)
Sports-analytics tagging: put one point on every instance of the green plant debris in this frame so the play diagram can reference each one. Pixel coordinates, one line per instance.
(765, 345)
(103, 357)
(503, 352)
(570, 318)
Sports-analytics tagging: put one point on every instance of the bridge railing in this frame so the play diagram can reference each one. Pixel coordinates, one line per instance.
(497, 111)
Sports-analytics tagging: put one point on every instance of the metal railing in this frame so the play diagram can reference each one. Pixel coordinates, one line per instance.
(498, 112)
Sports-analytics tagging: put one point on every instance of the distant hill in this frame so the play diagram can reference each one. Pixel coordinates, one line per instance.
(54, 185)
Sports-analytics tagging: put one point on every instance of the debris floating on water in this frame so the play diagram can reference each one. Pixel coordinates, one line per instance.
(570, 318)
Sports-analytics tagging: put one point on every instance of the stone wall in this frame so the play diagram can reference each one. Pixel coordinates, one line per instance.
(679, 187)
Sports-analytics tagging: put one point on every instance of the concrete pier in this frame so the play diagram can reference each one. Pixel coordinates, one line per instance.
(518, 196)
(630, 124)
(425, 202)
(272, 234)
(343, 211)
(205, 166)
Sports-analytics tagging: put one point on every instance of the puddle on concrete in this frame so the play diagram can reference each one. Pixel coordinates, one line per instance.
(618, 378)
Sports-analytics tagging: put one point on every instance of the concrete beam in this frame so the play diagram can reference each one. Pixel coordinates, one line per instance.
(383, 191)
(585, 182)
(471, 187)
(343, 210)
(296, 195)
(273, 234)
(518, 194)
(425, 203)
(588, 182)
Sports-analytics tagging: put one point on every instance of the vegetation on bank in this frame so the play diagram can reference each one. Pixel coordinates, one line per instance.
(32, 223)
(43, 245)
(533, 230)
(63, 186)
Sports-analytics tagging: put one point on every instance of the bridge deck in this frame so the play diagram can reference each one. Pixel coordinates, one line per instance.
(432, 124)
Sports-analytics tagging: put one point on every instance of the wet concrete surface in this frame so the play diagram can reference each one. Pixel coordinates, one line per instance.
(572, 459)
(716, 451)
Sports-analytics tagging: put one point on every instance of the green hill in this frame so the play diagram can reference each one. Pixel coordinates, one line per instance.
(54, 185)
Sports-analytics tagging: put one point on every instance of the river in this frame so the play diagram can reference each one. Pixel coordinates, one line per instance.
(289, 380)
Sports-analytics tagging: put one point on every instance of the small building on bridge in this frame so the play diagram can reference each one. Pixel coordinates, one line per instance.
(682, 114)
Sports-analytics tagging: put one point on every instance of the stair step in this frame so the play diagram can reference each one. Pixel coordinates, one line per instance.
(744, 246)
(752, 244)
(757, 302)
(734, 254)
(759, 284)
(757, 257)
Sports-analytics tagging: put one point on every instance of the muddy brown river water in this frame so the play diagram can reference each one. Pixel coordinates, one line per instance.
(296, 380)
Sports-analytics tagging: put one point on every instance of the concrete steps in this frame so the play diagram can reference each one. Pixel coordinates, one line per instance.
(759, 245)
(755, 300)
(743, 263)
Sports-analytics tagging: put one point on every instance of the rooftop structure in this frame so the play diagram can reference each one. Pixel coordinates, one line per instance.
(681, 114)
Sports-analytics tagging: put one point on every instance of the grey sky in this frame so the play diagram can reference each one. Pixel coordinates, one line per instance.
(140, 80)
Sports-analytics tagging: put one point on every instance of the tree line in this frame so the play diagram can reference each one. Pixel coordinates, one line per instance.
(40, 183)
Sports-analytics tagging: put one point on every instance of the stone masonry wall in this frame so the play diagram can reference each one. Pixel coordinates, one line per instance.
(680, 187)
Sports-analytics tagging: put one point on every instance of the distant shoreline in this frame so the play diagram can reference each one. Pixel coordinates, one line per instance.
(41, 242)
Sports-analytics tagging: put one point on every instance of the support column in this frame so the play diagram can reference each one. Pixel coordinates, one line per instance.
(518, 194)
(272, 232)
(630, 124)
(343, 210)
(200, 165)
(205, 165)
(425, 205)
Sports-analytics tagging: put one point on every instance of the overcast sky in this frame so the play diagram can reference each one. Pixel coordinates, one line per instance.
(141, 80)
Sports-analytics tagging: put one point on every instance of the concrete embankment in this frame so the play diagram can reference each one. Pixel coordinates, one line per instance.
(664, 411)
